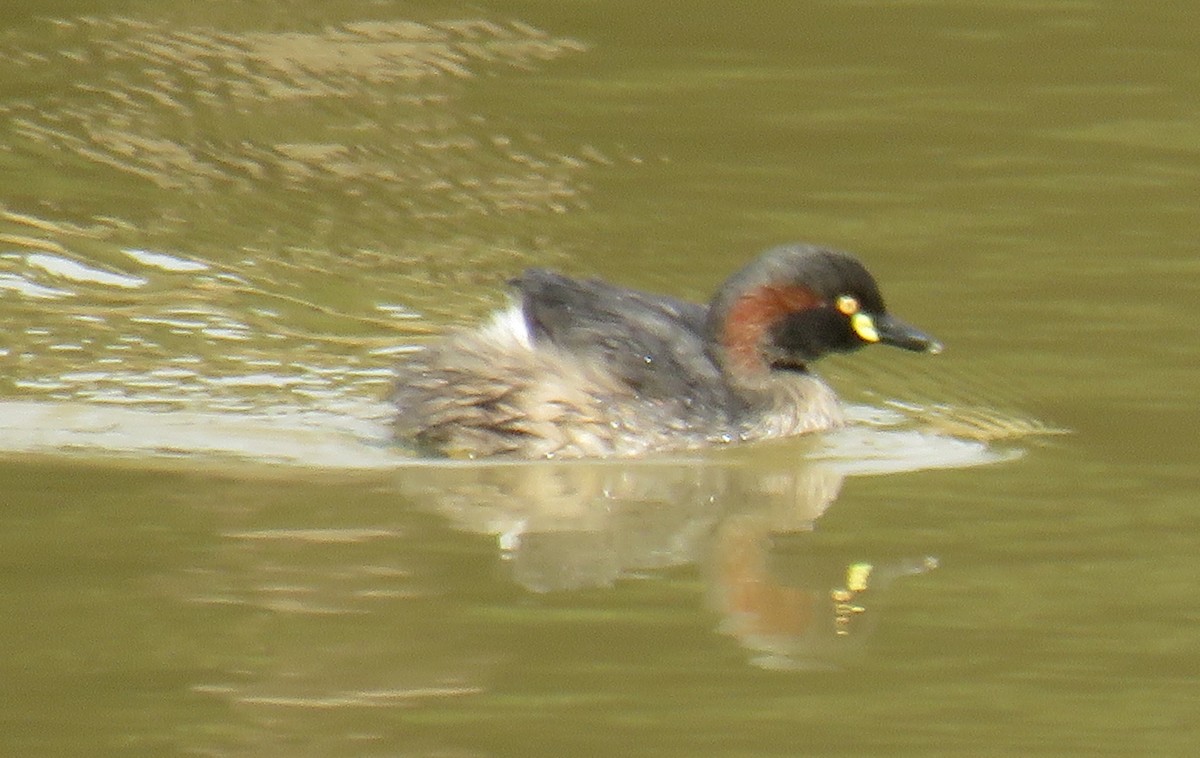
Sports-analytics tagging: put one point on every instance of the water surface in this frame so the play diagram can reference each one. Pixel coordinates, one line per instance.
(220, 225)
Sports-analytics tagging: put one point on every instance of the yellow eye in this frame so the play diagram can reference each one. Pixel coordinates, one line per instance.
(847, 304)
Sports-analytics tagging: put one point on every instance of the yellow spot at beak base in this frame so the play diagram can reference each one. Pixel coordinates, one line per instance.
(864, 326)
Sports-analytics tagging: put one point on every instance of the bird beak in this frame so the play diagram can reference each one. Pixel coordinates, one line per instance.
(892, 331)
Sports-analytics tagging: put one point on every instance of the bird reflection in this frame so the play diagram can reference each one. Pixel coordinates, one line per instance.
(747, 521)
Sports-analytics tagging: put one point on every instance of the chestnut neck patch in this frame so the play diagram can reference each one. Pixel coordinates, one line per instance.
(752, 315)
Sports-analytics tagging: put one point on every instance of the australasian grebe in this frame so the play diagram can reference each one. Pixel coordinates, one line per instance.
(580, 368)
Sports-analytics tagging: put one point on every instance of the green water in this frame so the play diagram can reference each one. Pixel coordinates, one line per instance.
(221, 223)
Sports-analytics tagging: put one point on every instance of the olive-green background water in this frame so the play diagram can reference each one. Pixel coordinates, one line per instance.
(220, 224)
